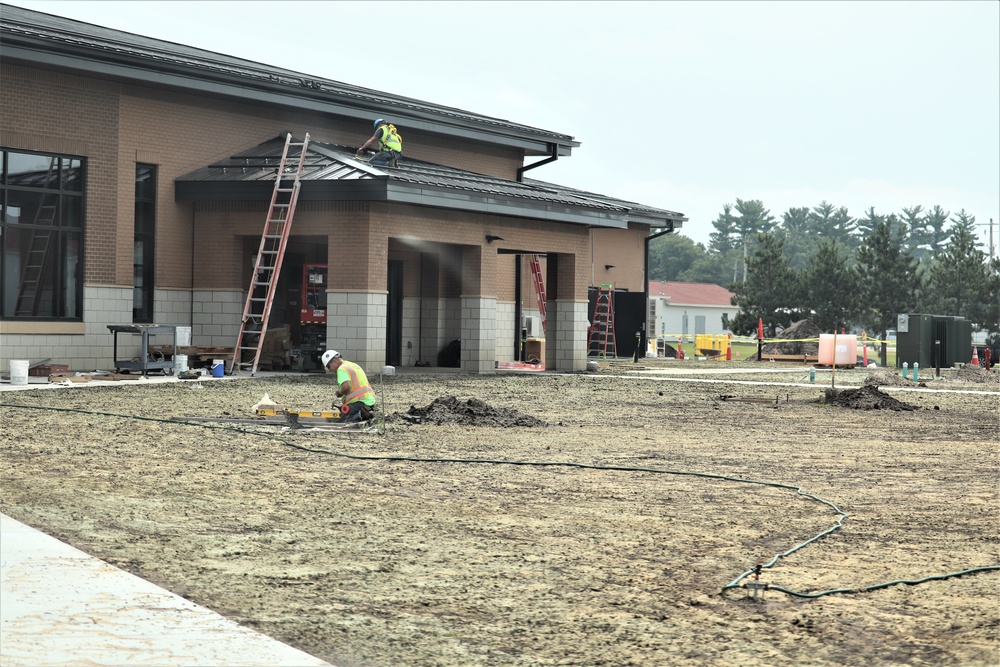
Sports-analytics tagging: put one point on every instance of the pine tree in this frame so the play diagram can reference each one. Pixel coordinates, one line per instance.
(725, 236)
(798, 237)
(888, 282)
(828, 287)
(754, 219)
(966, 221)
(958, 278)
(770, 291)
(936, 234)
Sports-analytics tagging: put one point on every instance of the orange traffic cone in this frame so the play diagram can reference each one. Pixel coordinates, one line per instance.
(975, 356)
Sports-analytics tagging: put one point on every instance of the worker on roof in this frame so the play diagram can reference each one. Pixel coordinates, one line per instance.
(352, 388)
(388, 145)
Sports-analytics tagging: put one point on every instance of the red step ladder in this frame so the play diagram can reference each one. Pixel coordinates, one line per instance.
(267, 267)
(602, 328)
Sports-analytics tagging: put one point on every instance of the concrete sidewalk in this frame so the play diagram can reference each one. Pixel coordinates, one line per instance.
(61, 606)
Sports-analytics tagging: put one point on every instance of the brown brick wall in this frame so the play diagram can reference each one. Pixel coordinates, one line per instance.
(114, 127)
(47, 111)
(623, 249)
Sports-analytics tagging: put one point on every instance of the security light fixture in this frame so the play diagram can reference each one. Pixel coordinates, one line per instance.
(490, 238)
(608, 266)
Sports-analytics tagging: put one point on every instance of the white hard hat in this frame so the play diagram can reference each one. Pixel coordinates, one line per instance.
(329, 356)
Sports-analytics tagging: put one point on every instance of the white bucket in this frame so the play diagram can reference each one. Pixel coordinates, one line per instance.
(183, 336)
(180, 363)
(19, 371)
(388, 370)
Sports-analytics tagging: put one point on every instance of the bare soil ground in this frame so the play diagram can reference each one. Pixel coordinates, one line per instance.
(543, 519)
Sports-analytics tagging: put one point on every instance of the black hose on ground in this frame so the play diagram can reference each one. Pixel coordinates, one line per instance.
(842, 516)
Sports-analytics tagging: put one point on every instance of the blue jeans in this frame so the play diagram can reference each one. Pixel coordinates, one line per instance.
(354, 413)
(383, 158)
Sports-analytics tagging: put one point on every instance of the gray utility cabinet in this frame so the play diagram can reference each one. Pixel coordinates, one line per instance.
(918, 335)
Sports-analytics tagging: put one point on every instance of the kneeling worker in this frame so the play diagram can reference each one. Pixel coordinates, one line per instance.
(352, 387)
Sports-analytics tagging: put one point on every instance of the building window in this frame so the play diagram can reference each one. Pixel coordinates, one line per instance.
(144, 254)
(41, 236)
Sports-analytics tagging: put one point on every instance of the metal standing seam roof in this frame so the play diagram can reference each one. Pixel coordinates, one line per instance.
(431, 184)
(27, 32)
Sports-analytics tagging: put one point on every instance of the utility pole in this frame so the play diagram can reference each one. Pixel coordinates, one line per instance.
(991, 240)
(744, 259)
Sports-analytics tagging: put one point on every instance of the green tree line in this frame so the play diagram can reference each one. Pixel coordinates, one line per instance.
(837, 270)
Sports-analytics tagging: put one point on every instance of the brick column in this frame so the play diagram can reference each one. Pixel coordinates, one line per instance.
(355, 326)
(357, 297)
(566, 310)
(479, 311)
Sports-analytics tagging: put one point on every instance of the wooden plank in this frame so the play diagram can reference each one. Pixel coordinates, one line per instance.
(805, 358)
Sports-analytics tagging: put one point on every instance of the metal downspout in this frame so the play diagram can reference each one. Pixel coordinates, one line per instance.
(553, 156)
(517, 307)
(194, 214)
(643, 340)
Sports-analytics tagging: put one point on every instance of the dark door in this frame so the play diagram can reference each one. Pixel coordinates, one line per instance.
(394, 315)
(630, 318)
(629, 309)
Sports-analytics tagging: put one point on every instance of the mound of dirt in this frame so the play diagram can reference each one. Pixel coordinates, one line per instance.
(794, 343)
(866, 398)
(887, 378)
(977, 374)
(473, 412)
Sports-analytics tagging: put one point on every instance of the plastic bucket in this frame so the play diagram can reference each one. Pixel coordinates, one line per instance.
(19, 371)
(183, 336)
(218, 368)
(180, 363)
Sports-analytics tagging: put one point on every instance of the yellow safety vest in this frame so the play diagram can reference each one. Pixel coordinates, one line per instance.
(360, 391)
(390, 140)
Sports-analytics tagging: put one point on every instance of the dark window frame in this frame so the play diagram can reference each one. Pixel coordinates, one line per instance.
(42, 253)
(144, 244)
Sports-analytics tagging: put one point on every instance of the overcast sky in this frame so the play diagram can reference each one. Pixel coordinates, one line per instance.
(683, 106)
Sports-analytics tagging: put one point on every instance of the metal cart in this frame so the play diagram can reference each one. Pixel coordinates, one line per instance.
(143, 363)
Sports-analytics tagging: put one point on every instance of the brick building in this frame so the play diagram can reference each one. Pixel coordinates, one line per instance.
(136, 179)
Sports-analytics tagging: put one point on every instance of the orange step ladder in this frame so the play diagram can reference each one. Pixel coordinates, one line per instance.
(602, 329)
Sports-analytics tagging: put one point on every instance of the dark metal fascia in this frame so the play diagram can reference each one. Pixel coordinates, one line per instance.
(423, 195)
(263, 92)
(653, 220)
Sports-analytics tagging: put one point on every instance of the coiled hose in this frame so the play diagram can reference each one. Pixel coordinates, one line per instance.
(841, 515)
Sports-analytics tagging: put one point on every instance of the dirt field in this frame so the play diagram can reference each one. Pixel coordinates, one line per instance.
(420, 546)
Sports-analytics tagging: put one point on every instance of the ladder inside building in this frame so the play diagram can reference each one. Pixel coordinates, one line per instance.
(30, 290)
(267, 267)
(602, 330)
(536, 275)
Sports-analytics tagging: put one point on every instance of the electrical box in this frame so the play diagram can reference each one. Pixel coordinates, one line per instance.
(932, 340)
(533, 326)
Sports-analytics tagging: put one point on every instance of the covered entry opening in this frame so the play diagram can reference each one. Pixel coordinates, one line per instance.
(423, 305)
(296, 329)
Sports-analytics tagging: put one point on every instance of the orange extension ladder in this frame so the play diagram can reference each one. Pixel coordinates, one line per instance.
(267, 267)
(536, 275)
